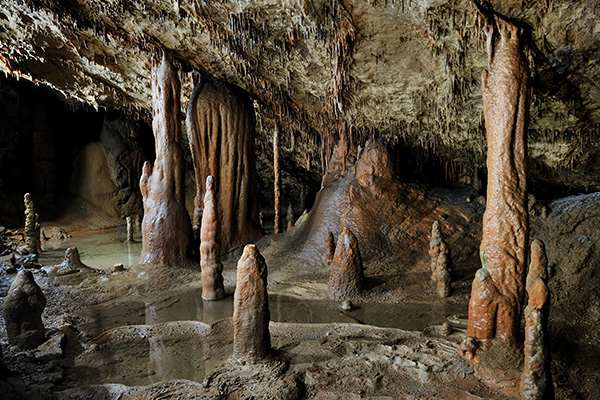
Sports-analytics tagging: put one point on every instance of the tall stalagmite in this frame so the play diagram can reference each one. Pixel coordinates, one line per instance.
(536, 380)
(166, 228)
(221, 130)
(276, 182)
(210, 249)
(251, 337)
(32, 226)
(497, 291)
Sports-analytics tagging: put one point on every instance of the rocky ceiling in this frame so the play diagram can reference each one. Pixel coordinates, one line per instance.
(406, 68)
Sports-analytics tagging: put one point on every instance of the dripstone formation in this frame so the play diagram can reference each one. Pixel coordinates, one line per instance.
(221, 132)
(23, 309)
(32, 226)
(536, 379)
(441, 263)
(251, 337)
(290, 217)
(210, 250)
(71, 264)
(346, 277)
(497, 291)
(166, 229)
(329, 249)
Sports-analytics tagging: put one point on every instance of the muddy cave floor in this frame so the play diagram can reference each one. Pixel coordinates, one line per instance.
(146, 333)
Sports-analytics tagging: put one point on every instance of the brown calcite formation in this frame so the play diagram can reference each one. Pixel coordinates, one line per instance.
(32, 226)
(375, 160)
(71, 264)
(497, 291)
(166, 228)
(435, 241)
(329, 249)
(210, 249)
(23, 309)
(347, 276)
(221, 132)
(251, 337)
(443, 271)
(536, 379)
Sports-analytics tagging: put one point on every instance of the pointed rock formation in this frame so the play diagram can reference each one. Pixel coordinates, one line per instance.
(71, 264)
(32, 226)
(346, 277)
(166, 229)
(536, 379)
(497, 291)
(23, 309)
(441, 262)
(276, 182)
(434, 248)
(221, 131)
(251, 337)
(210, 250)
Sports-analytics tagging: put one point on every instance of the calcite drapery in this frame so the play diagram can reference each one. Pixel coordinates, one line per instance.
(221, 132)
(251, 337)
(23, 309)
(210, 249)
(166, 228)
(536, 379)
(346, 277)
(497, 292)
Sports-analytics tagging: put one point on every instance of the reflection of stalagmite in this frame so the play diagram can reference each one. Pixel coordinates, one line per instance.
(346, 277)
(210, 250)
(536, 380)
(32, 226)
(329, 249)
(221, 131)
(506, 95)
(251, 338)
(166, 229)
(130, 229)
(290, 217)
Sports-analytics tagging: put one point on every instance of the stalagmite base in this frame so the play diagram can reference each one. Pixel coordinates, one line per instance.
(536, 379)
(346, 277)
(497, 291)
(166, 229)
(251, 337)
(210, 250)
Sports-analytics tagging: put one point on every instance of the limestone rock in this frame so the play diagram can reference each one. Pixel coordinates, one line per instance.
(346, 277)
(23, 309)
(52, 348)
(251, 337)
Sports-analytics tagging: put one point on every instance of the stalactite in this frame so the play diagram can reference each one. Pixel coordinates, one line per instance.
(277, 181)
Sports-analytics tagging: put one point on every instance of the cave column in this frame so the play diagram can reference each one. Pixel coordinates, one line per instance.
(166, 228)
(497, 291)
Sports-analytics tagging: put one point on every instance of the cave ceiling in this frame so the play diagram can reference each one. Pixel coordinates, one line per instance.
(406, 68)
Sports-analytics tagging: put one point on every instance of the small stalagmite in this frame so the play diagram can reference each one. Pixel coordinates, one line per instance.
(251, 337)
(210, 250)
(497, 291)
(166, 228)
(23, 309)
(290, 217)
(329, 249)
(71, 264)
(32, 226)
(434, 248)
(536, 379)
(346, 277)
(443, 270)
(221, 128)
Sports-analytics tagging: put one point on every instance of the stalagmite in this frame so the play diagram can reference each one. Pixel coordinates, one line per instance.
(290, 217)
(251, 337)
(536, 379)
(23, 309)
(329, 249)
(210, 250)
(346, 277)
(32, 226)
(130, 229)
(277, 183)
(71, 264)
(497, 291)
(443, 271)
(434, 248)
(166, 229)
(221, 132)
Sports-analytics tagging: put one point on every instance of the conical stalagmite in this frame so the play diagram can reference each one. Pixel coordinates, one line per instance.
(536, 379)
(497, 291)
(210, 250)
(23, 309)
(290, 217)
(346, 277)
(221, 132)
(276, 182)
(251, 337)
(71, 263)
(166, 228)
(434, 248)
(443, 271)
